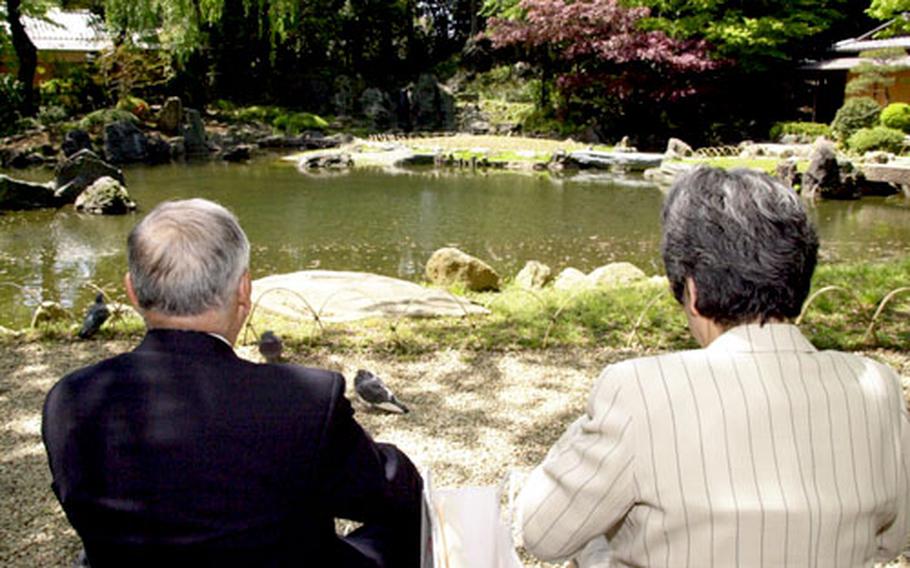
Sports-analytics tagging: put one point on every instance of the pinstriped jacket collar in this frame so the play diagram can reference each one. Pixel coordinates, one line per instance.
(755, 338)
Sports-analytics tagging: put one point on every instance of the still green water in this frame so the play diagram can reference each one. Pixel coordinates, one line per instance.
(388, 224)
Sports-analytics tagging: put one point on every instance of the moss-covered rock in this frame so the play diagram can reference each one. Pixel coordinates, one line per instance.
(106, 196)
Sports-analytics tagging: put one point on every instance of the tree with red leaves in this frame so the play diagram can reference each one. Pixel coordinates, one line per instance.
(598, 54)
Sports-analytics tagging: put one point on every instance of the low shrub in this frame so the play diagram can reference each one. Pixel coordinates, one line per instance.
(877, 138)
(297, 122)
(257, 113)
(10, 100)
(804, 131)
(60, 93)
(104, 116)
(857, 112)
(135, 105)
(52, 114)
(897, 115)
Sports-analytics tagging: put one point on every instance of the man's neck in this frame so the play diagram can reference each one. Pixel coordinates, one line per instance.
(209, 322)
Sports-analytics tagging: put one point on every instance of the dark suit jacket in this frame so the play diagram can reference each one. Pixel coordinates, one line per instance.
(181, 453)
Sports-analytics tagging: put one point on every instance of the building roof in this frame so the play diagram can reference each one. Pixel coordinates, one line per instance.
(856, 45)
(847, 63)
(77, 30)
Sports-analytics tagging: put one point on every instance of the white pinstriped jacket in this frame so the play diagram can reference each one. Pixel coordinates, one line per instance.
(758, 450)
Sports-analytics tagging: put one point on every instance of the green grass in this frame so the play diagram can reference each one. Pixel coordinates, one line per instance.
(642, 316)
(768, 165)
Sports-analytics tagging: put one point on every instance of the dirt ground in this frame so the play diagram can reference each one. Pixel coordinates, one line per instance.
(474, 417)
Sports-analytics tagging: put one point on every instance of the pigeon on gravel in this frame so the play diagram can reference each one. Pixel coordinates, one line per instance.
(372, 390)
(270, 347)
(95, 317)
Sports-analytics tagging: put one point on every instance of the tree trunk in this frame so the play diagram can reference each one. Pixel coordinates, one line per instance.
(27, 55)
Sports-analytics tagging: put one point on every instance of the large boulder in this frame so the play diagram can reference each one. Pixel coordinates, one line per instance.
(158, 150)
(432, 105)
(79, 171)
(823, 177)
(450, 266)
(676, 148)
(74, 141)
(534, 275)
(627, 160)
(19, 195)
(194, 138)
(106, 196)
(170, 116)
(124, 143)
(786, 171)
(377, 107)
(616, 274)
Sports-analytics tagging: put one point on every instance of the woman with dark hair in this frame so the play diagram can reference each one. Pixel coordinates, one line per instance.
(756, 449)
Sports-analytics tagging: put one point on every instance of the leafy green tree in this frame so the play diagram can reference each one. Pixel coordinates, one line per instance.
(756, 35)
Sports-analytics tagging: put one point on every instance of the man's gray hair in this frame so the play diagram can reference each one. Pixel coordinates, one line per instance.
(187, 257)
(745, 240)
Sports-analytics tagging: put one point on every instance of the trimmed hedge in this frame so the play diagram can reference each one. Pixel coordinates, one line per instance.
(897, 115)
(878, 138)
(804, 131)
(858, 112)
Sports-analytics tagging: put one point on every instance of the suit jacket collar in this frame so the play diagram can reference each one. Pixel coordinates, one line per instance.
(183, 341)
(755, 338)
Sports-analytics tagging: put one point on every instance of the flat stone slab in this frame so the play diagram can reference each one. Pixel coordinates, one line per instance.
(635, 161)
(337, 296)
(895, 172)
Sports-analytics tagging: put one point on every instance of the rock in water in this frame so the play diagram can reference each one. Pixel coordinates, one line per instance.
(449, 265)
(124, 143)
(170, 115)
(371, 390)
(823, 177)
(95, 317)
(19, 195)
(106, 196)
(74, 141)
(194, 137)
(270, 347)
(79, 171)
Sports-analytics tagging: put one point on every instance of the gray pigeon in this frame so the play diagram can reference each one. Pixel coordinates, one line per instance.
(372, 390)
(95, 317)
(270, 347)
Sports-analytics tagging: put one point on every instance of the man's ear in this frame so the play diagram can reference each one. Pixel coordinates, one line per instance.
(131, 292)
(245, 292)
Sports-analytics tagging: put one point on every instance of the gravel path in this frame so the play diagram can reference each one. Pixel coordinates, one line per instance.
(474, 416)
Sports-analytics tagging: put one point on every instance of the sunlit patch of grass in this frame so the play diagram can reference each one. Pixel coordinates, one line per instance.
(765, 164)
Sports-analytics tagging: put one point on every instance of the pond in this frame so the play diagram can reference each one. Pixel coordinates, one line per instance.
(388, 224)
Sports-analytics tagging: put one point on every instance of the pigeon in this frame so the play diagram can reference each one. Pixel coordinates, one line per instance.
(95, 317)
(372, 390)
(270, 347)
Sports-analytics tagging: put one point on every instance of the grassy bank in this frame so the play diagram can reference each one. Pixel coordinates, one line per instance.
(641, 316)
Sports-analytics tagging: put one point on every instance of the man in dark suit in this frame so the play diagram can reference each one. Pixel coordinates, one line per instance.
(180, 453)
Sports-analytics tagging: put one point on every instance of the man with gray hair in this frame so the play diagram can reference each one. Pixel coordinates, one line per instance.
(180, 453)
(756, 450)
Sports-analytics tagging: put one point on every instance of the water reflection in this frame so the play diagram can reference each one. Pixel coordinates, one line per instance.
(389, 224)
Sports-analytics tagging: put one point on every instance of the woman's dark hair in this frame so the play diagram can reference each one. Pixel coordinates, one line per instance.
(746, 241)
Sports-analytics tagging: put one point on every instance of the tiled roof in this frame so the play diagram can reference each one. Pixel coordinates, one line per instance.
(846, 63)
(78, 30)
(853, 45)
